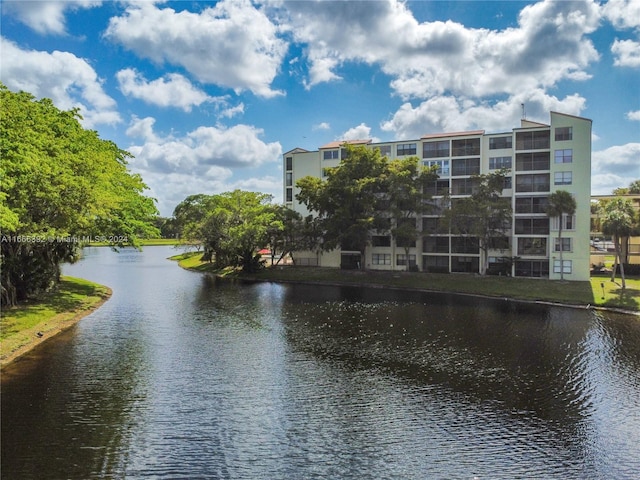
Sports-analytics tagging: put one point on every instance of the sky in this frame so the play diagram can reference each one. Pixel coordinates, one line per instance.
(207, 96)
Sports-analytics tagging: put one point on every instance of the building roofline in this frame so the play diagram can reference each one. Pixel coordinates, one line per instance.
(572, 116)
(453, 134)
(296, 150)
(339, 143)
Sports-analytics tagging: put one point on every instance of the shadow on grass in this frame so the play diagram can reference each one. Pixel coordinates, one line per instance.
(626, 298)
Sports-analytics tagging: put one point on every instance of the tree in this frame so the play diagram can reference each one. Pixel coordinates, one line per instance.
(561, 203)
(60, 184)
(485, 215)
(405, 186)
(618, 219)
(347, 203)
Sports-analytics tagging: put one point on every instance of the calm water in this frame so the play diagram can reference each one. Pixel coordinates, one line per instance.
(179, 376)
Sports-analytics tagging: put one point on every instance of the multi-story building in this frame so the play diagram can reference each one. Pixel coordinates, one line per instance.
(541, 159)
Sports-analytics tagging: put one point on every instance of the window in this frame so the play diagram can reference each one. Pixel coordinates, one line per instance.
(385, 150)
(288, 163)
(532, 268)
(562, 178)
(465, 264)
(435, 244)
(533, 183)
(289, 195)
(435, 264)
(564, 156)
(381, 259)
(498, 143)
(496, 163)
(439, 187)
(532, 246)
(532, 226)
(565, 266)
(381, 241)
(564, 133)
(568, 222)
(465, 147)
(532, 161)
(464, 245)
(406, 149)
(443, 166)
(435, 149)
(508, 183)
(465, 166)
(499, 243)
(431, 225)
(289, 179)
(331, 154)
(401, 259)
(462, 186)
(564, 242)
(533, 140)
(531, 204)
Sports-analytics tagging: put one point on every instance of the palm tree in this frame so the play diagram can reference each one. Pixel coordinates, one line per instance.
(617, 221)
(561, 203)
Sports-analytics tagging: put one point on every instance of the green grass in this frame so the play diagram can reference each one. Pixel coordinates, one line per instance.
(577, 293)
(74, 296)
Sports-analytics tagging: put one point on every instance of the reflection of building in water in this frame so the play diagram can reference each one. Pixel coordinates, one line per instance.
(541, 159)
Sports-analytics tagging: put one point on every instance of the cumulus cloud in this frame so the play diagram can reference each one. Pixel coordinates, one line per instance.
(232, 44)
(622, 14)
(614, 167)
(173, 90)
(45, 17)
(451, 114)
(426, 59)
(361, 132)
(69, 81)
(634, 115)
(627, 53)
(322, 126)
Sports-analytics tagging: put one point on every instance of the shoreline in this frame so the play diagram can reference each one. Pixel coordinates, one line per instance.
(52, 326)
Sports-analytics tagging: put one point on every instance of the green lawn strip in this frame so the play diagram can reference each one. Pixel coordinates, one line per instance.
(54, 311)
(576, 293)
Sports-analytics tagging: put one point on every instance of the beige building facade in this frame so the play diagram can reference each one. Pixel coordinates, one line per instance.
(541, 158)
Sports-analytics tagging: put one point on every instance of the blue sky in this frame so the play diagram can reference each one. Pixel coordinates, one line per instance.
(208, 95)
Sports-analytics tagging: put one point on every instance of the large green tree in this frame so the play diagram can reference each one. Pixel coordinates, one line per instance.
(485, 214)
(60, 184)
(347, 204)
(618, 220)
(561, 204)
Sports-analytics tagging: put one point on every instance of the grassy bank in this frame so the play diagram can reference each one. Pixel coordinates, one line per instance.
(575, 293)
(26, 326)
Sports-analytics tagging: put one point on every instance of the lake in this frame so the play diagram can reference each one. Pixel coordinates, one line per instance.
(180, 375)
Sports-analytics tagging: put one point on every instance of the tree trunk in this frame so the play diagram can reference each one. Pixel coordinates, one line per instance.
(619, 256)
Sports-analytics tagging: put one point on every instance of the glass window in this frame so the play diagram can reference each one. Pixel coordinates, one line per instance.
(464, 245)
(381, 241)
(508, 183)
(462, 186)
(562, 178)
(532, 246)
(537, 140)
(288, 163)
(531, 204)
(435, 244)
(568, 222)
(435, 149)
(532, 161)
(496, 163)
(435, 264)
(532, 226)
(564, 156)
(498, 143)
(465, 166)
(331, 154)
(289, 195)
(565, 242)
(406, 149)
(465, 147)
(401, 259)
(443, 166)
(439, 187)
(465, 264)
(381, 259)
(565, 266)
(385, 150)
(564, 133)
(431, 225)
(533, 183)
(289, 179)
(532, 268)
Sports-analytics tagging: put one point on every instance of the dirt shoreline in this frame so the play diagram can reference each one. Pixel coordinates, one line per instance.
(41, 332)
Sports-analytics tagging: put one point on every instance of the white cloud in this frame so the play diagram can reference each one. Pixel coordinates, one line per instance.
(450, 114)
(614, 167)
(322, 126)
(361, 132)
(45, 16)
(627, 53)
(549, 44)
(232, 44)
(634, 115)
(69, 81)
(173, 90)
(622, 14)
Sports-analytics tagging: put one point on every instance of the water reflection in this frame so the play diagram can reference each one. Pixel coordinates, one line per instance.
(183, 376)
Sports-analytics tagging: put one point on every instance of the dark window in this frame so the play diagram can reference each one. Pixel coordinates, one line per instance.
(401, 259)
(499, 243)
(498, 143)
(532, 246)
(435, 149)
(533, 183)
(289, 179)
(288, 163)
(532, 226)
(289, 194)
(564, 133)
(465, 264)
(532, 161)
(462, 186)
(406, 149)
(532, 268)
(435, 244)
(531, 204)
(465, 147)
(464, 245)
(381, 241)
(431, 225)
(564, 156)
(435, 264)
(537, 140)
(496, 163)
(330, 154)
(465, 166)
(439, 187)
